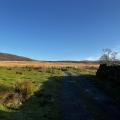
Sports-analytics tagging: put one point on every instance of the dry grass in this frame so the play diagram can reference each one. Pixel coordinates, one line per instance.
(48, 64)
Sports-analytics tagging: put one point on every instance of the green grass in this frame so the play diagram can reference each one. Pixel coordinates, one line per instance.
(78, 71)
(36, 75)
(43, 103)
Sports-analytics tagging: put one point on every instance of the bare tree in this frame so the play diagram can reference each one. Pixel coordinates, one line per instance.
(108, 56)
(114, 56)
(104, 57)
(107, 52)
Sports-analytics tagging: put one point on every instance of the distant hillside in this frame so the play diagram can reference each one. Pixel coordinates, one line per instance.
(83, 61)
(11, 57)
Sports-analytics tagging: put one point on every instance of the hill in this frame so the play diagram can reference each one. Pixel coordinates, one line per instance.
(11, 57)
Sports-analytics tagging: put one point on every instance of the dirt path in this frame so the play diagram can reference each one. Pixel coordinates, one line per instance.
(72, 105)
(83, 101)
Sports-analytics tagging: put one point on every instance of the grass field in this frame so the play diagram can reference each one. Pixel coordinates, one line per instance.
(42, 102)
(31, 90)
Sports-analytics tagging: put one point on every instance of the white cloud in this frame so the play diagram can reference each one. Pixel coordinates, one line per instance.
(93, 58)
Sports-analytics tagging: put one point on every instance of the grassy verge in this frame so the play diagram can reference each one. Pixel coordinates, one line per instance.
(78, 71)
(43, 101)
(109, 87)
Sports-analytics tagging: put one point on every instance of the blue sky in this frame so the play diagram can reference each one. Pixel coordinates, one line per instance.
(59, 29)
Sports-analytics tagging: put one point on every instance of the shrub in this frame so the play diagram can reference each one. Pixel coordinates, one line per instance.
(20, 73)
(22, 91)
(12, 100)
(24, 88)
